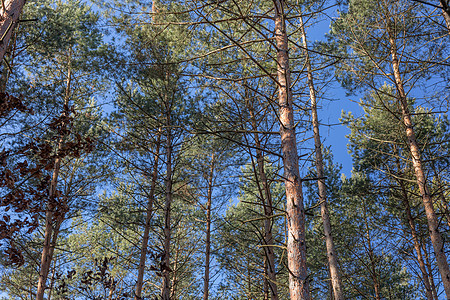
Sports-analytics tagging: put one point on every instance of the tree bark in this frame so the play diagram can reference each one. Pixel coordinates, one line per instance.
(208, 228)
(295, 212)
(433, 223)
(9, 18)
(331, 251)
(415, 237)
(140, 279)
(49, 243)
(167, 213)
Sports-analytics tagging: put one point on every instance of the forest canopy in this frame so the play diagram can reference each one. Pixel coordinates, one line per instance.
(181, 149)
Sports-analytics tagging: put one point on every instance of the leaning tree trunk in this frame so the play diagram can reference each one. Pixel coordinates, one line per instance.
(412, 227)
(140, 279)
(331, 251)
(10, 11)
(295, 212)
(433, 222)
(49, 244)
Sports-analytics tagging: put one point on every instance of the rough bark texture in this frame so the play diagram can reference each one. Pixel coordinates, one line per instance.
(9, 18)
(208, 228)
(331, 251)
(295, 212)
(433, 222)
(50, 234)
(140, 280)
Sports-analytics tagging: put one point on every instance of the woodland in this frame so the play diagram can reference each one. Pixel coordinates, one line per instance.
(172, 149)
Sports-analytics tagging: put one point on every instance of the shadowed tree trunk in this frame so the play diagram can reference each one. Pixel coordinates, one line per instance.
(140, 280)
(270, 280)
(208, 228)
(50, 234)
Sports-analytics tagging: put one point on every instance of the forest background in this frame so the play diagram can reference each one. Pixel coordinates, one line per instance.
(184, 149)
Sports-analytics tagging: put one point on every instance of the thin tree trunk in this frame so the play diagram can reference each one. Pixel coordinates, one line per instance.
(9, 18)
(433, 223)
(443, 204)
(140, 280)
(208, 228)
(52, 281)
(47, 251)
(266, 197)
(295, 212)
(167, 229)
(331, 251)
(430, 271)
(373, 269)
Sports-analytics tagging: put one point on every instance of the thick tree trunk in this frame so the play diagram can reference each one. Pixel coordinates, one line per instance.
(208, 228)
(295, 212)
(433, 223)
(331, 251)
(270, 283)
(10, 11)
(49, 245)
(140, 279)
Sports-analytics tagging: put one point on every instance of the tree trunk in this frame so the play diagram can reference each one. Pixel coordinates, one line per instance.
(433, 223)
(9, 18)
(295, 212)
(208, 228)
(49, 245)
(373, 269)
(140, 280)
(167, 213)
(430, 271)
(331, 251)
(446, 13)
(412, 227)
(266, 196)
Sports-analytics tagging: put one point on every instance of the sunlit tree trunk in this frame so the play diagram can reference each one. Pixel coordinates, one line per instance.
(295, 212)
(412, 227)
(331, 251)
(10, 11)
(433, 223)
